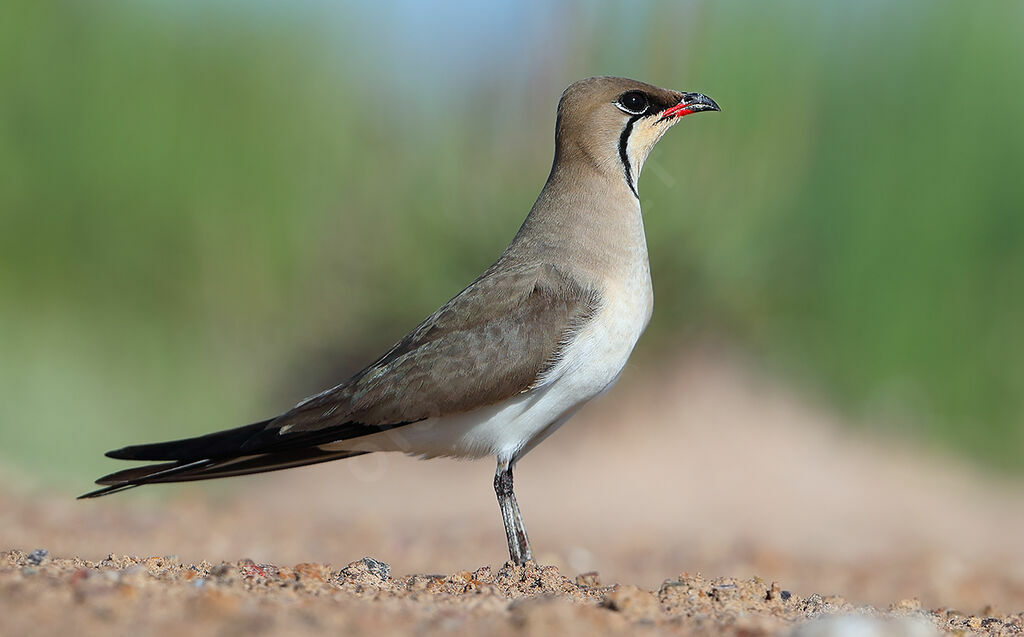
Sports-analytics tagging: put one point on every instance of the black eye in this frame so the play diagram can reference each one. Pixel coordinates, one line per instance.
(633, 102)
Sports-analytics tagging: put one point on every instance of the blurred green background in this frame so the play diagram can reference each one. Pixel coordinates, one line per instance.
(211, 210)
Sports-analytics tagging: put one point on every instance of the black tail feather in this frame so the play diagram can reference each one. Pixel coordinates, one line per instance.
(254, 448)
(206, 469)
(216, 445)
(150, 472)
(138, 476)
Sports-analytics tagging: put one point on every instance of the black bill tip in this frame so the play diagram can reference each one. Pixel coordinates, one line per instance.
(695, 102)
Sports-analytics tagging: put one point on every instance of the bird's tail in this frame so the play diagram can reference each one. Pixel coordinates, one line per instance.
(215, 455)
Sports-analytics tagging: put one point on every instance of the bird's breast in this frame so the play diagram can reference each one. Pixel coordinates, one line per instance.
(607, 342)
(595, 357)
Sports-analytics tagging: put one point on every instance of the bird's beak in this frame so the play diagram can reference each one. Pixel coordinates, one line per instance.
(691, 103)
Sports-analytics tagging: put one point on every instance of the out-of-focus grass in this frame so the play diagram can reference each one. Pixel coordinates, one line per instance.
(206, 209)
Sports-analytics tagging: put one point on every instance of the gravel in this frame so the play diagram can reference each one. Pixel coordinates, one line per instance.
(164, 596)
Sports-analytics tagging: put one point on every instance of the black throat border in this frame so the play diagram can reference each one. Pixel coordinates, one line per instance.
(623, 142)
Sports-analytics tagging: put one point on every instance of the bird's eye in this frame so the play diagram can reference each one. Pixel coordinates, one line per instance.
(633, 102)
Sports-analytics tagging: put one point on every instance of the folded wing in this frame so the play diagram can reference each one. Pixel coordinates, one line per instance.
(495, 339)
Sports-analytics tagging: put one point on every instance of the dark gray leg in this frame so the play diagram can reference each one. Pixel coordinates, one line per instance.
(518, 543)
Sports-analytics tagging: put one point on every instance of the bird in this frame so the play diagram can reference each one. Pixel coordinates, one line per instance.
(508, 360)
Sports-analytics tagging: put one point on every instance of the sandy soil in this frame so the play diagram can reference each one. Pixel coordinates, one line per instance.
(699, 468)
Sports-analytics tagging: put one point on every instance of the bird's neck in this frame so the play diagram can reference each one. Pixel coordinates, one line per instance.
(586, 219)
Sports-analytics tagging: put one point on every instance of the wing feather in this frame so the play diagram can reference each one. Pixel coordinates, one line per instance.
(494, 340)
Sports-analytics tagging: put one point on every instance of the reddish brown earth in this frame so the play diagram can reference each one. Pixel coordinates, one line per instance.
(709, 500)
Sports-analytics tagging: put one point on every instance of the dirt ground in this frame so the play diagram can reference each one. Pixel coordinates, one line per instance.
(708, 500)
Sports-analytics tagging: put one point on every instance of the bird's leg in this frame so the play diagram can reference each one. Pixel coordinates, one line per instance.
(518, 543)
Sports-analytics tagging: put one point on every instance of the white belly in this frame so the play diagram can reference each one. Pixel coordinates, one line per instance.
(589, 366)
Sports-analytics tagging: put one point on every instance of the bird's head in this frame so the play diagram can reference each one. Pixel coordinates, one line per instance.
(614, 122)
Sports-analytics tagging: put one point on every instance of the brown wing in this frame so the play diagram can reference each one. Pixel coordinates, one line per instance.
(489, 343)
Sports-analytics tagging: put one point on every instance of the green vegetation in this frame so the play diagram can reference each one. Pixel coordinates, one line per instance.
(206, 214)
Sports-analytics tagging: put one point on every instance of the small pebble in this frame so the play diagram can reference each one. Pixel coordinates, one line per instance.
(590, 579)
(37, 557)
(378, 568)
